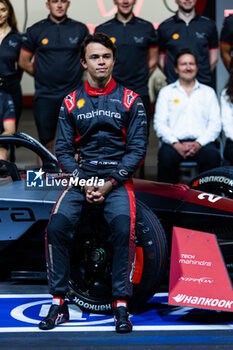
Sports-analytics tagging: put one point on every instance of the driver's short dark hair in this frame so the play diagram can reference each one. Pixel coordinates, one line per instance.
(182, 52)
(100, 38)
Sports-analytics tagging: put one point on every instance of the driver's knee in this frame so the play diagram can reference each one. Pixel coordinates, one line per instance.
(120, 230)
(60, 230)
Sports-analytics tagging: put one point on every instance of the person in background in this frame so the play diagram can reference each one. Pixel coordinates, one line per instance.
(7, 120)
(226, 42)
(10, 41)
(187, 29)
(137, 49)
(187, 120)
(55, 42)
(108, 124)
(227, 117)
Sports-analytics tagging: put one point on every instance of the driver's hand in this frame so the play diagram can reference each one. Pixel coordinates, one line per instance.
(96, 194)
(195, 147)
(181, 148)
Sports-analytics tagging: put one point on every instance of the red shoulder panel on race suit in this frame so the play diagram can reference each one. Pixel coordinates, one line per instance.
(70, 101)
(129, 97)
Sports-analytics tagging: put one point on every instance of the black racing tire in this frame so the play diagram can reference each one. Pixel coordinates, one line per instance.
(218, 181)
(151, 244)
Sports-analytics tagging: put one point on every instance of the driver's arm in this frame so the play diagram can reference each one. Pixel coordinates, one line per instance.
(226, 39)
(29, 46)
(213, 58)
(226, 55)
(161, 61)
(65, 144)
(25, 61)
(9, 126)
(136, 143)
(8, 117)
(152, 59)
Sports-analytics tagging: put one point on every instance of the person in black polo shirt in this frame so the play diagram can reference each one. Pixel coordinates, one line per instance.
(187, 29)
(226, 42)
(55, 42)
(10, 40)
(7, 120)
(137, 49)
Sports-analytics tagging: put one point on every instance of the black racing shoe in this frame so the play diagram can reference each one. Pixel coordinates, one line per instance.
(122, 322)
(57, 314)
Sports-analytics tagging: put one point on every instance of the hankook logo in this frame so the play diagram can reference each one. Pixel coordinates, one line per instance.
(194, 300)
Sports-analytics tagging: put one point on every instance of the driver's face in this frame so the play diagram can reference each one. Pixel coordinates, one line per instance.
(58, 8)
(125, 7)
(186, 67)
(98, 62)
(186, 5)
(4, 13)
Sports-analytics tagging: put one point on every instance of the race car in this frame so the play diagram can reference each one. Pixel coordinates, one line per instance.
(26, 202)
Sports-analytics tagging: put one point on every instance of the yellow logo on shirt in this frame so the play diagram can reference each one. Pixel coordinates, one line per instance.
(113, 39)
(176, 101)
(175, 36)
(81, 103)
(45, 41)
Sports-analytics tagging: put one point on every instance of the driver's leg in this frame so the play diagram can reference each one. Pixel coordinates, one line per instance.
(60, 230)
(120, 213)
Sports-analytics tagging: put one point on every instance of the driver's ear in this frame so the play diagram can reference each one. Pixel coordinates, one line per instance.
(83, 63)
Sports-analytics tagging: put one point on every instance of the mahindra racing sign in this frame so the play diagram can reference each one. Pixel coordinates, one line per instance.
(198, 275)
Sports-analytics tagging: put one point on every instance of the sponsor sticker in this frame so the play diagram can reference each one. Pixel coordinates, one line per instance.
(113, 39)
(212, 179)
(45, 41)
(198, 275)
(81, 103)
(175, 36)
(129, 97)
(70, 101)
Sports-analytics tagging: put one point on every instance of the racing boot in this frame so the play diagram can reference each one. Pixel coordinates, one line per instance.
(57, 314)
(121, 316)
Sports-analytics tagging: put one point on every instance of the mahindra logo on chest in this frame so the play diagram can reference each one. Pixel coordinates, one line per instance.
(98, 113)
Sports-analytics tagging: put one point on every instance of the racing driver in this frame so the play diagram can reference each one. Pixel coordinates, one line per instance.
(107, 123)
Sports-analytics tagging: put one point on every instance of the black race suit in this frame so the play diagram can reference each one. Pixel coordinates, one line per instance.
(108, 126)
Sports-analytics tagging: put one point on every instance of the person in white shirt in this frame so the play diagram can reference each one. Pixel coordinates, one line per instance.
(227, 117)
(187, 121)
